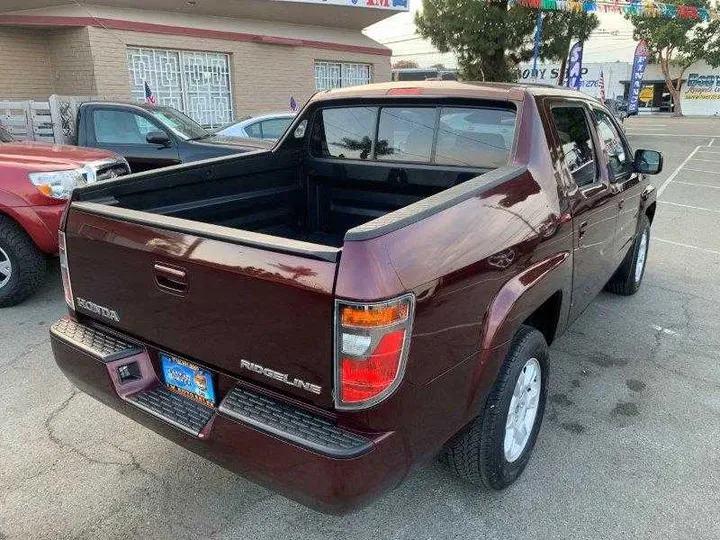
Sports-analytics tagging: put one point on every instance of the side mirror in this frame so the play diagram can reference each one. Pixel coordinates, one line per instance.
(158, 137)
(648, 161)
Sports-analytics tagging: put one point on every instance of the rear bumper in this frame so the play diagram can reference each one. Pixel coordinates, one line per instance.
(280, 445)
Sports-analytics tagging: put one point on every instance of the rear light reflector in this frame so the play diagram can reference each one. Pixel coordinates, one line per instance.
(65, 271)
(371, 346)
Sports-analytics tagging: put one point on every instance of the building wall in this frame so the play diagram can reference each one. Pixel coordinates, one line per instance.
(72, 61)
(264, 76)
(25, 64)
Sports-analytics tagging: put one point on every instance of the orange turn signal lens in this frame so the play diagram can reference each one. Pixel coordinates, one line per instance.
(45, 190)
(374, 317)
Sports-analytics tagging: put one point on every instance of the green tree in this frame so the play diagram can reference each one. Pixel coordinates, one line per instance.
(405, 64)
(490, 40)
(678, 43)
(560, 30)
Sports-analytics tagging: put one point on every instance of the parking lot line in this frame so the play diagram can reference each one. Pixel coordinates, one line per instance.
(691, 207)
(680, 244)
(677, 171)
(698, 185)
(703, 171)
(709, 151)
(711, 142)
(708, 160)
(688, 136)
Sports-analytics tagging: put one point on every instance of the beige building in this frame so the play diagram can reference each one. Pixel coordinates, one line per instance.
(214, 59)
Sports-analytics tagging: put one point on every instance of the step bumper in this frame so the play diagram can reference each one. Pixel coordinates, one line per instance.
(303, 455)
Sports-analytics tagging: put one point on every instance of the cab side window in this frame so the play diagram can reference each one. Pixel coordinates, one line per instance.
(577, 145)
(617, 155)
(121, 127)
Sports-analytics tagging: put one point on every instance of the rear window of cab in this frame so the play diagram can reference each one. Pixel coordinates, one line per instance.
(477, 137)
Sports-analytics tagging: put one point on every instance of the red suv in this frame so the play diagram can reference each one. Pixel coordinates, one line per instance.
(35, 181)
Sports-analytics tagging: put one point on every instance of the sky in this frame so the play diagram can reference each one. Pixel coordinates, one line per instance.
(611, 42)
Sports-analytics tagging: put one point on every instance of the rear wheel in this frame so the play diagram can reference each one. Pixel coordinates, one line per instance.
(494, 449)
(22, 265)
(628, 277)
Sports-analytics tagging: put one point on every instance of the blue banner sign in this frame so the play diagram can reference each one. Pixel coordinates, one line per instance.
(638, 71)
(575, 66)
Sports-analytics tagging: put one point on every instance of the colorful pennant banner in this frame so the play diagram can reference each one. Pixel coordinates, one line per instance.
(645, 8)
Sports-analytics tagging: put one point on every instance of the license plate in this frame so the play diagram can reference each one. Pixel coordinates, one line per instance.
(188, 379)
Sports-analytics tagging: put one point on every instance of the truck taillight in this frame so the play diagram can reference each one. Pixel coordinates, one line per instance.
(65, 271)
(371, 346)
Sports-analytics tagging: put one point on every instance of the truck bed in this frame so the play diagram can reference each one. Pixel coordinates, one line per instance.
(314, 201)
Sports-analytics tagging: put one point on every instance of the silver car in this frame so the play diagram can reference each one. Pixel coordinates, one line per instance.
(268, 127)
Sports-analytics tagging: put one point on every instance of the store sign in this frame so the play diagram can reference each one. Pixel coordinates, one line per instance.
(702, 86)
(589, 78)
(392, 5)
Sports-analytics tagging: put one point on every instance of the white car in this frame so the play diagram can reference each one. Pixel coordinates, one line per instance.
(269, 127)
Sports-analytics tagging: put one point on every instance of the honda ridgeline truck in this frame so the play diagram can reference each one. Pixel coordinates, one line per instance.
(380, 287)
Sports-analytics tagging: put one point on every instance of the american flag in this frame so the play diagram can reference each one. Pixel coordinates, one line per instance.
(602, 87)
(149, 96)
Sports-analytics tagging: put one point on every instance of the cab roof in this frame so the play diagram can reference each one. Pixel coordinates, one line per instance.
(467, 89)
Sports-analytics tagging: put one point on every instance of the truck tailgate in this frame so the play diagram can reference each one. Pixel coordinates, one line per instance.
(257, 314)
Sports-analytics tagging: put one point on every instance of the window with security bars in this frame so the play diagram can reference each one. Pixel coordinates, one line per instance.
(196, 83)
(339, 74)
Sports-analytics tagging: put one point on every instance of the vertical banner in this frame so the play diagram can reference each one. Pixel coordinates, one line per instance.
(538, 38)
(575, 66)
(640, 62)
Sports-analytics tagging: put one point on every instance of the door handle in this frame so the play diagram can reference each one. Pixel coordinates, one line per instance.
(581, 229)
(170, 279)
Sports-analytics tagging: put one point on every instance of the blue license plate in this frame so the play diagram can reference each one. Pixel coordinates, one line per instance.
(188, 379)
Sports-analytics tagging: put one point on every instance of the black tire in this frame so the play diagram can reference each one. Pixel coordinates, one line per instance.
(478, 454)
(625, 281)
(28, 264)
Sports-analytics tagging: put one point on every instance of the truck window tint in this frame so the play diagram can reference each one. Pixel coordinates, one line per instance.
(121, 127)
(345, 133)
(576, 141)
(406, 134)
(475, 137)
(617, 155)
(273, 129)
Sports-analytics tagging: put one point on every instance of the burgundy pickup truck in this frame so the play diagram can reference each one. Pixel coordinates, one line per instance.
(379, 288)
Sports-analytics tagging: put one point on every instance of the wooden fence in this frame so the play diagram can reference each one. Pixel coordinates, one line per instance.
(28, 120)
(50, 121)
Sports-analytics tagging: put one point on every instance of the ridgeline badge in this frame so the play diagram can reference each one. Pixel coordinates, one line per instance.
(282, 377)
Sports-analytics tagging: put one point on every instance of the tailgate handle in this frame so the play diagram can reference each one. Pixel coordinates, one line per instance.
(171, 279)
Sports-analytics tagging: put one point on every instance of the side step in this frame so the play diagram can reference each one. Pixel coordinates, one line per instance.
(292, 424)
(183, 413)
(95, 342)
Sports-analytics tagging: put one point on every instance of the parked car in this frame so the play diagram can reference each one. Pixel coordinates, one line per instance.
(35, 181)
(152, 136)
(381, 286)
(269, 127)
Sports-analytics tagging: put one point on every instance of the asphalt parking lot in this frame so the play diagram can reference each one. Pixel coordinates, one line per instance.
(630, 446)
